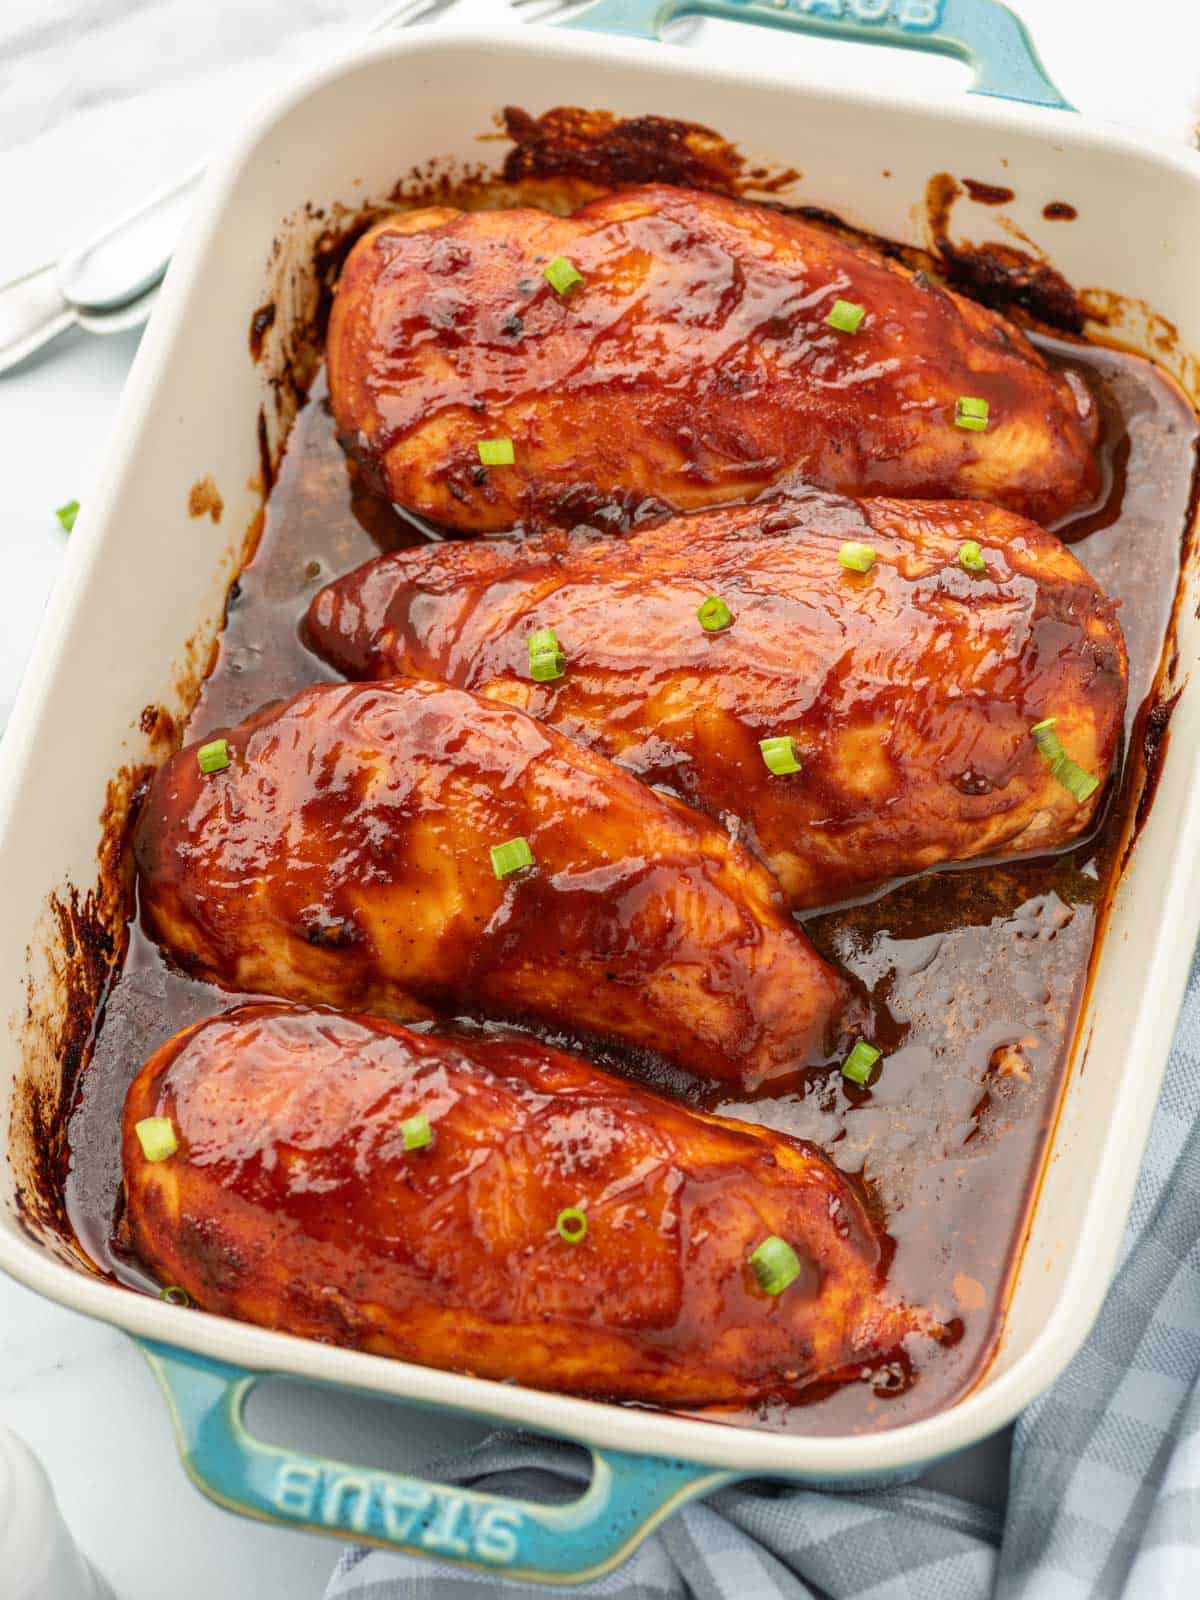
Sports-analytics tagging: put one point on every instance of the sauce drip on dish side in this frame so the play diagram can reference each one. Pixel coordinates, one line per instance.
(974, 974)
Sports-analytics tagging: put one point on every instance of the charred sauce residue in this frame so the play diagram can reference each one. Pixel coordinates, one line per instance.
(975, 975)
(1059, 211)
(261, 324)
(999, 275)
(204, 500)
(595, 145)
(988, 194)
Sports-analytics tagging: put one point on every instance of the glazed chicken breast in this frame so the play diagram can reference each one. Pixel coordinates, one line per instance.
(691, 362)
(908, 692)
(407, 848)
(294, 1199)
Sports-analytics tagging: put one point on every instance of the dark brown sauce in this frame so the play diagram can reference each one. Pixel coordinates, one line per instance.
(988, 194)
(1059, 211)
(975, 974)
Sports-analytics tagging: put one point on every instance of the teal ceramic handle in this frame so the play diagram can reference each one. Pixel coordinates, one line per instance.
(627, 1497)
(983, 33)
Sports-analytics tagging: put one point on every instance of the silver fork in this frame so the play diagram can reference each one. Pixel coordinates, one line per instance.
(112, 282)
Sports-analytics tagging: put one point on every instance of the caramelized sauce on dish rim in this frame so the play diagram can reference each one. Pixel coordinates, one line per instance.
(975, 973)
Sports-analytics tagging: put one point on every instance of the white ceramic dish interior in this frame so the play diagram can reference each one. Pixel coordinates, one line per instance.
(144, 576)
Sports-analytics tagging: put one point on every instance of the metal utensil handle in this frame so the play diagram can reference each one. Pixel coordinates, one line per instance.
(983, 33)
(627, 1497)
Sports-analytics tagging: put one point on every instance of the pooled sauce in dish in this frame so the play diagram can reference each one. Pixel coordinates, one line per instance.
(975, 974)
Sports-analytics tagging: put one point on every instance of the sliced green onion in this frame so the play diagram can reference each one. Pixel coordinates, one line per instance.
(175, 1296)
(971, 413)
(416, 1132)
(714, 614)
(496, 452)
(562, 274)
(67, 514)
(859, 1064)
(545, 668)
(546, 659)
(571, 1224)
(541, 640)
(156, 1135)
(213, 757)
(1046, 739)
(846, 316)
(775, 1265)
(1074, 779)
(779, 754)
(856, 557)
(970, 557)
(510, 857)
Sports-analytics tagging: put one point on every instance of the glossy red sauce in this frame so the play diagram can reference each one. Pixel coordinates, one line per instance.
(908, 691)
(974, 975)
(694, 366)
(290, 1125)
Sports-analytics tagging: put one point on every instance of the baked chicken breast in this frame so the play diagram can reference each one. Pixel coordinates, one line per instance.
(692, 364)
(292, 1199)
(407, 848)
(908, 691)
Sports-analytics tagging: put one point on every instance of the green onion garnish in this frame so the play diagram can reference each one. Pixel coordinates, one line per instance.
(496, 452)
(175, 1296)
(846, 316)
(1046, 739)
(1063, 770)
(416, 1132)
(779, 754)
(510, 857)
(562, 274)
(856, 557)
(859, 1063)
(156, 1135)
(1074, 779)
(775, 1265)
(213, 757)
(571, 1224)
(971, 413)
(546, 659)
(970, 557)
(67, 514)
(714, 614)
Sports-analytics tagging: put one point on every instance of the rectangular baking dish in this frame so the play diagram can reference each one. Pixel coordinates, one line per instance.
(141, 600)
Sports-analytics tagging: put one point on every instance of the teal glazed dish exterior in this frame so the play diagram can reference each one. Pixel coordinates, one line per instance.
(190, 410)
(627, 1497)
(985, 34)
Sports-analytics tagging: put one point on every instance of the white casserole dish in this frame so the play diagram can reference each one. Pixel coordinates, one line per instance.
(142, 598)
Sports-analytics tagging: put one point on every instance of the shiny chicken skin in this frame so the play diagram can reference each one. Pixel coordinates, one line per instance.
(693, 366)
(343, 857)
(292, 1202)
(909, 691)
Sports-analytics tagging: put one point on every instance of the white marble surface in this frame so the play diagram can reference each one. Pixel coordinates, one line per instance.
(101, 100)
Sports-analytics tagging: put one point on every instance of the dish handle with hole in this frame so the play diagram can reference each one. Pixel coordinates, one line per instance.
(627, 1497)
(990, 38)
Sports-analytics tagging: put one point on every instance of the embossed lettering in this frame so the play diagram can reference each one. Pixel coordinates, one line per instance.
(496, 1535)
(403, 1503)
(296, 1489)
(828, 8)
(440, 1534)
(919, 13)
(336, 1494)
(870, 10)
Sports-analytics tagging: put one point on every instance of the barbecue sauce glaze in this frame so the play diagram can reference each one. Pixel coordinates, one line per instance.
(974, 975)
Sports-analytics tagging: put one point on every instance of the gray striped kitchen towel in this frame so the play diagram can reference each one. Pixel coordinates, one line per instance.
(1104, 1494)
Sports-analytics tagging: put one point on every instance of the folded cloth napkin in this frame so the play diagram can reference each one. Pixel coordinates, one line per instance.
(1104, 1495)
